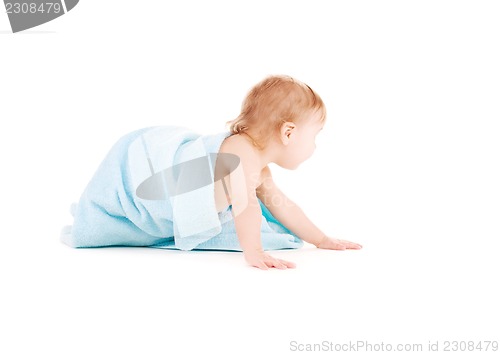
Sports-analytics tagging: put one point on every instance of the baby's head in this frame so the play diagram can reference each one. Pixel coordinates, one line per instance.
(283, 114)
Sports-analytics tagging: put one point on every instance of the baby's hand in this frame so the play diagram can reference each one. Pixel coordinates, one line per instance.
(337, 244)
(264, 261)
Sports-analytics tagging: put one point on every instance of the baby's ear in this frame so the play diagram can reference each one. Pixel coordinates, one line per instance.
(286, 130)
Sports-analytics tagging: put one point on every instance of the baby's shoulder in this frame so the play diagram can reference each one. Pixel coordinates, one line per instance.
(236, 144)
(248, 157)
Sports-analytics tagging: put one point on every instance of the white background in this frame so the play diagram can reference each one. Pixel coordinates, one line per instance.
(407, 165)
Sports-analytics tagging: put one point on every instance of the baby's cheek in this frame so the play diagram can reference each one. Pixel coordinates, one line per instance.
(312, 146)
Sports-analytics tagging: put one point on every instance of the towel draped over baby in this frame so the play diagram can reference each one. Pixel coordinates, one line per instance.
(131, 200)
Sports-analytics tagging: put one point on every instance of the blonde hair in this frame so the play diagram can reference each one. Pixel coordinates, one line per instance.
(274, 100)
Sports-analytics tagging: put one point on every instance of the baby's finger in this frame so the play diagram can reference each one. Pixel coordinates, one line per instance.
(351, 245)
(262, 265)
(277, 264)
(339, 246)
(287, 263)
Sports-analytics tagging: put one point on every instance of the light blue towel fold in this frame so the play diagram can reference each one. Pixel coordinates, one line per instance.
(115, 210)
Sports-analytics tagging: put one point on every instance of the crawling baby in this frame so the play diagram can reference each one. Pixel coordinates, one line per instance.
(156, 187)
(279, 121)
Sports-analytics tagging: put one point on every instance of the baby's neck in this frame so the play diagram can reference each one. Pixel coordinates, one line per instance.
(265, 155)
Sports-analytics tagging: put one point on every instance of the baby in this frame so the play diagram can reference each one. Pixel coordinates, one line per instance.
(146, 190)
(279, 121)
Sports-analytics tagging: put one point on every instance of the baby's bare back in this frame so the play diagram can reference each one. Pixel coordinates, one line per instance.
(223, 189)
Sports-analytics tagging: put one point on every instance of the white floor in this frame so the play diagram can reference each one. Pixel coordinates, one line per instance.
(140, 300)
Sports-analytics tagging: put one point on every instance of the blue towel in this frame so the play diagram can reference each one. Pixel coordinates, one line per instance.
(117, 208)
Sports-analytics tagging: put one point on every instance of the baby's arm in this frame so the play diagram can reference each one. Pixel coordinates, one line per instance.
(293, 218)
(247, 213)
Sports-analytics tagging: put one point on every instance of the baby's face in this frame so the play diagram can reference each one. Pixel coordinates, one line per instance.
(301, 142)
